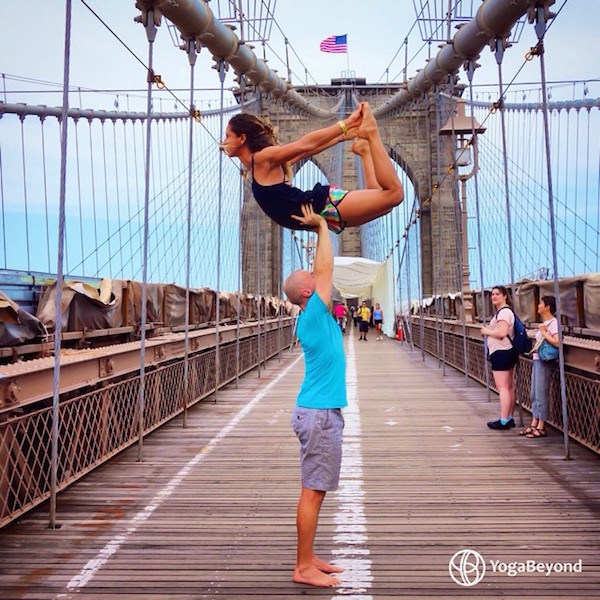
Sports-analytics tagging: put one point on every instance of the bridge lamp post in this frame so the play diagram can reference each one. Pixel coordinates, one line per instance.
(465, 129)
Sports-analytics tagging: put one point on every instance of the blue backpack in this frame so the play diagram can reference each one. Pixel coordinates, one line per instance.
(521, 342)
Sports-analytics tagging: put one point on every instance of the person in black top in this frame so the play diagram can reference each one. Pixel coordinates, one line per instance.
(253, 141)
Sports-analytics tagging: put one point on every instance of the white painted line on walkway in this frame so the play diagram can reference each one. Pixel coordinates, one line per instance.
(94, 565)
(351, 536)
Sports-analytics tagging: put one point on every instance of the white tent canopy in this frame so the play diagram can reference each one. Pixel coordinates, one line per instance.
(364, 278)
(354, 276)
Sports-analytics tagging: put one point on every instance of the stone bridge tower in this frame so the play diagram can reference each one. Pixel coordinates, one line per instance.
(410, 136)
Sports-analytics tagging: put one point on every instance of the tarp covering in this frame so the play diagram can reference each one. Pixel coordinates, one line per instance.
(83, 306)
(118, 303)
(580, 288)
(17, 325)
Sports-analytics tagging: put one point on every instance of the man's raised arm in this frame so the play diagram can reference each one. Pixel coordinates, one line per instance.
(323, 263)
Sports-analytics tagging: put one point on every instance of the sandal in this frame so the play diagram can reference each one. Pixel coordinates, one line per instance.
(527, 431)
(536, 433)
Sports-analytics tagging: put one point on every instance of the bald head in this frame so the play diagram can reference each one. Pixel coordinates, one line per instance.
(299, 287)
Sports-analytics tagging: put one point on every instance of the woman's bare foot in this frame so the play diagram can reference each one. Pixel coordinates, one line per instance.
(325, 567)
(368, 127)
(313, 576)
(361, 147)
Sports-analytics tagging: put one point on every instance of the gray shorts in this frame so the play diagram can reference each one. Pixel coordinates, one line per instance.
(320, 435)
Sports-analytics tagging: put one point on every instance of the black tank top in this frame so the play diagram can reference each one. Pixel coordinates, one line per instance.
(281, 200)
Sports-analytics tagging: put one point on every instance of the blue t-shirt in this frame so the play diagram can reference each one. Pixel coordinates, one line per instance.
(324, 384)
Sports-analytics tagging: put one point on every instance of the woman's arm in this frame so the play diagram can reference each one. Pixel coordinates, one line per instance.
(309, 144)
(500, 330)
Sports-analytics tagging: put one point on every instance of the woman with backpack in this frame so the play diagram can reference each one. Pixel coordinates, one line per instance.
(502, 355)
(544, 359)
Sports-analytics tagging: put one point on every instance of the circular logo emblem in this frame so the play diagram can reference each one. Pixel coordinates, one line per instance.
(467, 567)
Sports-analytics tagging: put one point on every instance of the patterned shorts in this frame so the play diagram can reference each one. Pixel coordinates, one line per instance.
(330, 212)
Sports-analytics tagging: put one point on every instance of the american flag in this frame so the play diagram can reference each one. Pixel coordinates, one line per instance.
(336, 44)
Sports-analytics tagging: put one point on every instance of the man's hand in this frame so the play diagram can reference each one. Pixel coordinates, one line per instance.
(309, 217)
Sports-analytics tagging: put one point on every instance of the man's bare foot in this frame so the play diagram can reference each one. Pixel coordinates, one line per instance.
(326, 567)
(368, 127)
(361, 147)
(313, 576)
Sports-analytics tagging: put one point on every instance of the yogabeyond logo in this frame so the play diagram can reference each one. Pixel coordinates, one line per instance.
(467, 567)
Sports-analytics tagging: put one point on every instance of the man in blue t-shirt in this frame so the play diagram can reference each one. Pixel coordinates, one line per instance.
(317, 418)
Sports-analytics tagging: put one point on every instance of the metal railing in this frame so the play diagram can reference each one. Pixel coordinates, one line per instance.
(97, 424)
(583, 390)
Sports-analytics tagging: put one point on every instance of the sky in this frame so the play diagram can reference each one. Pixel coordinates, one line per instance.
(32, 46)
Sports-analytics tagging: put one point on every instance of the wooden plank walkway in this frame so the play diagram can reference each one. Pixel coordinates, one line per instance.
(210, 513)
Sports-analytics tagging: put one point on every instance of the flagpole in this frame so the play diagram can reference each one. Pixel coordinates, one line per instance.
(347, 58)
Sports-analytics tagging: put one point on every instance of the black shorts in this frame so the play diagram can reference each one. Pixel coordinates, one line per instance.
(363, 326)
(503, 360)
(378, 321)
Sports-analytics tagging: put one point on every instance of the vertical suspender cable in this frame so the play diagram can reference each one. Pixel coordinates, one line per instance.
(408, 275)
(191, 52)
(266, 294)
(79, 195)
(420, 254)
(420, 283)
(93, 183)
(219, 220)
(239, 284)
(258, 299)
(470, 71)
(462, 245)
(59, 270)
(540, 28)
(3, 212)
(499, 54)
(108, 236)
(150, 27)
(24, 169)
(117, 196)
(439, 270)
(393, 247)
(45, 180)
(127, 188)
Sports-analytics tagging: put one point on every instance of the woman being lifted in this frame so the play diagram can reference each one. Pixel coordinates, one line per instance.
(253, 141)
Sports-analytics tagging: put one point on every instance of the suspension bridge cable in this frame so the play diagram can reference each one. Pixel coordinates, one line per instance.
(45, 186)
(540, 28)
(24, 171)
(59, 272)
(191, 52)
(470, 71)
(3, 211)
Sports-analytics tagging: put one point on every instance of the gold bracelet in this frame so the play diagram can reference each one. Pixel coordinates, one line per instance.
(343, 127)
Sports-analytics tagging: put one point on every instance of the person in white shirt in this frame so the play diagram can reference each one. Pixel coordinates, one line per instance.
(541, 370)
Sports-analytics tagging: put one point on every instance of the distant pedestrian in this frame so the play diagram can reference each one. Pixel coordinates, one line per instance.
(378, 320)
(339, 312)
(354, 314)
(364, 316)
(502, 355)
(544, 361)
